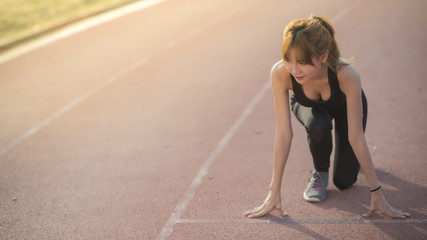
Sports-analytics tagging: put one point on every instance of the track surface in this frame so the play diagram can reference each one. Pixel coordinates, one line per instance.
(160, 124)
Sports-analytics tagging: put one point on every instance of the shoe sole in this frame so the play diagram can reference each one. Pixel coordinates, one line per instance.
(313, 200)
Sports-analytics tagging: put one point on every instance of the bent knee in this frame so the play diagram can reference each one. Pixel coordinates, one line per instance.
(320, 130)
(344, 183)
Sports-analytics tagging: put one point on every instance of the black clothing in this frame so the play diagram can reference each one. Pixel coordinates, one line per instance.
(337, 97)
(316, 117)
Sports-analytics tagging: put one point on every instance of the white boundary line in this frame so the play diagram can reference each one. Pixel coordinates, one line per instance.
(84, 26)
(70, 105)
(344, 12)
(180, 208)
(306, 221)
(182, 205)
(198, 30)
(76, 28)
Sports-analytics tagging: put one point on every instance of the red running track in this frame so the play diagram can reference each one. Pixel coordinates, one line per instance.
(160, 125)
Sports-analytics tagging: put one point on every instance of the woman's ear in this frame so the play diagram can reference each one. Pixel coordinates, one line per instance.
(324, 56)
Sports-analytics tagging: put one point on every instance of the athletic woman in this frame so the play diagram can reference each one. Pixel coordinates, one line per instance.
(325, 87)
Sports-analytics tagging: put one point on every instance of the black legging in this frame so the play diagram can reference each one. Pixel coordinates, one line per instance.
(318, 124)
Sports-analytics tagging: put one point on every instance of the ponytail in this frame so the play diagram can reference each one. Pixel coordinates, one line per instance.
(324, 23)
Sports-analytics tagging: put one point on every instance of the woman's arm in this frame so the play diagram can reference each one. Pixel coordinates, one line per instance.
(280, 86)
(283, 137)
(351, 86)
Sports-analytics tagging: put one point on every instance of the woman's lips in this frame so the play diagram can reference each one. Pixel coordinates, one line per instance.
(299, 78)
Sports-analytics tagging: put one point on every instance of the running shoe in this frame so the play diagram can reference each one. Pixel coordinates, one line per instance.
(316, 188)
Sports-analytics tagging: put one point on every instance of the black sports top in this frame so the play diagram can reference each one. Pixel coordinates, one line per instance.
(336, 99)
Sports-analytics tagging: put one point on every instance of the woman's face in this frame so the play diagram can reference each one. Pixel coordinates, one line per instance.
(302, 72)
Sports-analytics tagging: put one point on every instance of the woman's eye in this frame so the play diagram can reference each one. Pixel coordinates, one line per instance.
(302, 63)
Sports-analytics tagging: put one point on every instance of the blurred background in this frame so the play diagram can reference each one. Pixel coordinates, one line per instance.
(23, 20)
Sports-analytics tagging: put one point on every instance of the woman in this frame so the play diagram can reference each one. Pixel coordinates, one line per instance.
(325, 87)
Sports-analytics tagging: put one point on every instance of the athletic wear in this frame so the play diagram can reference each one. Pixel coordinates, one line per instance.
(337, 97)
(316, 188)
(316, 116)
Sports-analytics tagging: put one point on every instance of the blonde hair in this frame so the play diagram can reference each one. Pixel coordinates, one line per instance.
(312, 37)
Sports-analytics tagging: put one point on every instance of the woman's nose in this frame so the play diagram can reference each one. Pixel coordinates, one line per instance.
(295, 69)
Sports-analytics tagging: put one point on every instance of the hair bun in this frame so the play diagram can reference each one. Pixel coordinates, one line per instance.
(325, 23)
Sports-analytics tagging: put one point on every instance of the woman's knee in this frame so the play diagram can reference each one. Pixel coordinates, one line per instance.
(319, 129)
(344, 182)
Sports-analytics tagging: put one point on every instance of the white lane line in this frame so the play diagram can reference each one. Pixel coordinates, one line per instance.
(78, 27)
(344, 12)
(198, 30)
(180, 208)
(72, 104)
(306, 221)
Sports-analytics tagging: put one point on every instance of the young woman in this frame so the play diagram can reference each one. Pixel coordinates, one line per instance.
(325, 87)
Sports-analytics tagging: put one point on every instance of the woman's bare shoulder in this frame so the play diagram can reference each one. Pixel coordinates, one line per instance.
(349, 78)
(280, 76)
(348, 73)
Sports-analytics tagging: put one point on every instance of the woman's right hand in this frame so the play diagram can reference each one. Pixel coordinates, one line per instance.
(271, 203)
(378, 203)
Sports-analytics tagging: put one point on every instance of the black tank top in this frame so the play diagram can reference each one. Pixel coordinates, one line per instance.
(336, 99)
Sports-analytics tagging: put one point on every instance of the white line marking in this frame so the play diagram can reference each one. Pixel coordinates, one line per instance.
(307, 221)
(180, 208)
(198, 30)
(344, 12)
(72, 104)
(76, 28)
(79, 27)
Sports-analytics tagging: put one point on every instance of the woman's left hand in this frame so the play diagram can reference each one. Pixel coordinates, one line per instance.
(272, 203)
(378, 203)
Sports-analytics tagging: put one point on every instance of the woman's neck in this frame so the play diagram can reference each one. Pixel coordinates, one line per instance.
(322, 74)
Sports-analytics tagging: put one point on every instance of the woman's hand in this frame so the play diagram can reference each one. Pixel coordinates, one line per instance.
(271, 203)
(378, 203)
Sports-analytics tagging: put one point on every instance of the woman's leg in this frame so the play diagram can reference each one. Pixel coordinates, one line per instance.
(346, 165)
(318, 125)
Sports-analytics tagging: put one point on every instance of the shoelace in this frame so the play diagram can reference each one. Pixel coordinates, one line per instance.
(316, 179)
